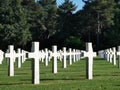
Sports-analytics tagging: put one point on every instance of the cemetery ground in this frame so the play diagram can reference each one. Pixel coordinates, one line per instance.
(106, 77)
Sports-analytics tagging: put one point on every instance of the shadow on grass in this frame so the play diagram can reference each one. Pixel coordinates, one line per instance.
(21, 73)
(55, 79)
(21, 82)
(26, 80)
(98, 75)
(6, 84)
(96, 59)
(99, 59)
(118, 85)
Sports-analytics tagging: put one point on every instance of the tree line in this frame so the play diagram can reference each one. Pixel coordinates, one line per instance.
(24, 21)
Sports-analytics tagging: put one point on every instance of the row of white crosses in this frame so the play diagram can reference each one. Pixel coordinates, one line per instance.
(110, 54)
(37, 55)
(62, 55)
(11, 56)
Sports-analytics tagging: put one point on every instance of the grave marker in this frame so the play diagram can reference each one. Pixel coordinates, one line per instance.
(1, 56)
(107, 52)
(70, 56)
(23, 56)
(11, 57)
(35, 55)
(101, 53)
(118, 53)
(19, 57)
(73, 55)
(110, 60)
(114, 55)
(89, 64)
(59, 55)
(78, 53)
(54, 61)
(46, 57)
(64, 57)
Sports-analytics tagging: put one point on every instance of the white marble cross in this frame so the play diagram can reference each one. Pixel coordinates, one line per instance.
(60, 55)
(19, 55)
(101, 53)
(74, 55)
(89, 54)
(110, 60)
(46, 57)
(114, 55)
(1, 56)
(70, 56)
(64, 57)
(49, 55)
(54, 61)
(23, 56)
(118, 53)
(35, 54)
(78, 53)
(11, 56)
(107, 53)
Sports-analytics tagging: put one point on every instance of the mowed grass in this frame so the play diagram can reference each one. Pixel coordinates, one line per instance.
(106, 77)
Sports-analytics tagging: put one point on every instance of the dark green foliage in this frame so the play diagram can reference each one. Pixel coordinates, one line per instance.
(74, 42)
(66, 25)
(24, 21)
(35, 15)
(96, 18)
(13, 26)
(50, 17)
(67, 6)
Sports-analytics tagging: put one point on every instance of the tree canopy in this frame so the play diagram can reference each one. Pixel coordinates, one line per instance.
(24, 21)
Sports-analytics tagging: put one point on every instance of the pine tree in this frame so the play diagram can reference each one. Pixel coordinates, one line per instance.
(13, 26)
(95, 20)
(66, 18)
(35, 15)
(50, 17)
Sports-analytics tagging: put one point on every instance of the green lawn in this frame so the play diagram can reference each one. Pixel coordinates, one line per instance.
(106, 77)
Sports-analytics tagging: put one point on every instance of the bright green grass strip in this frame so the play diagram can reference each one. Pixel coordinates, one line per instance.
(106, 77)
